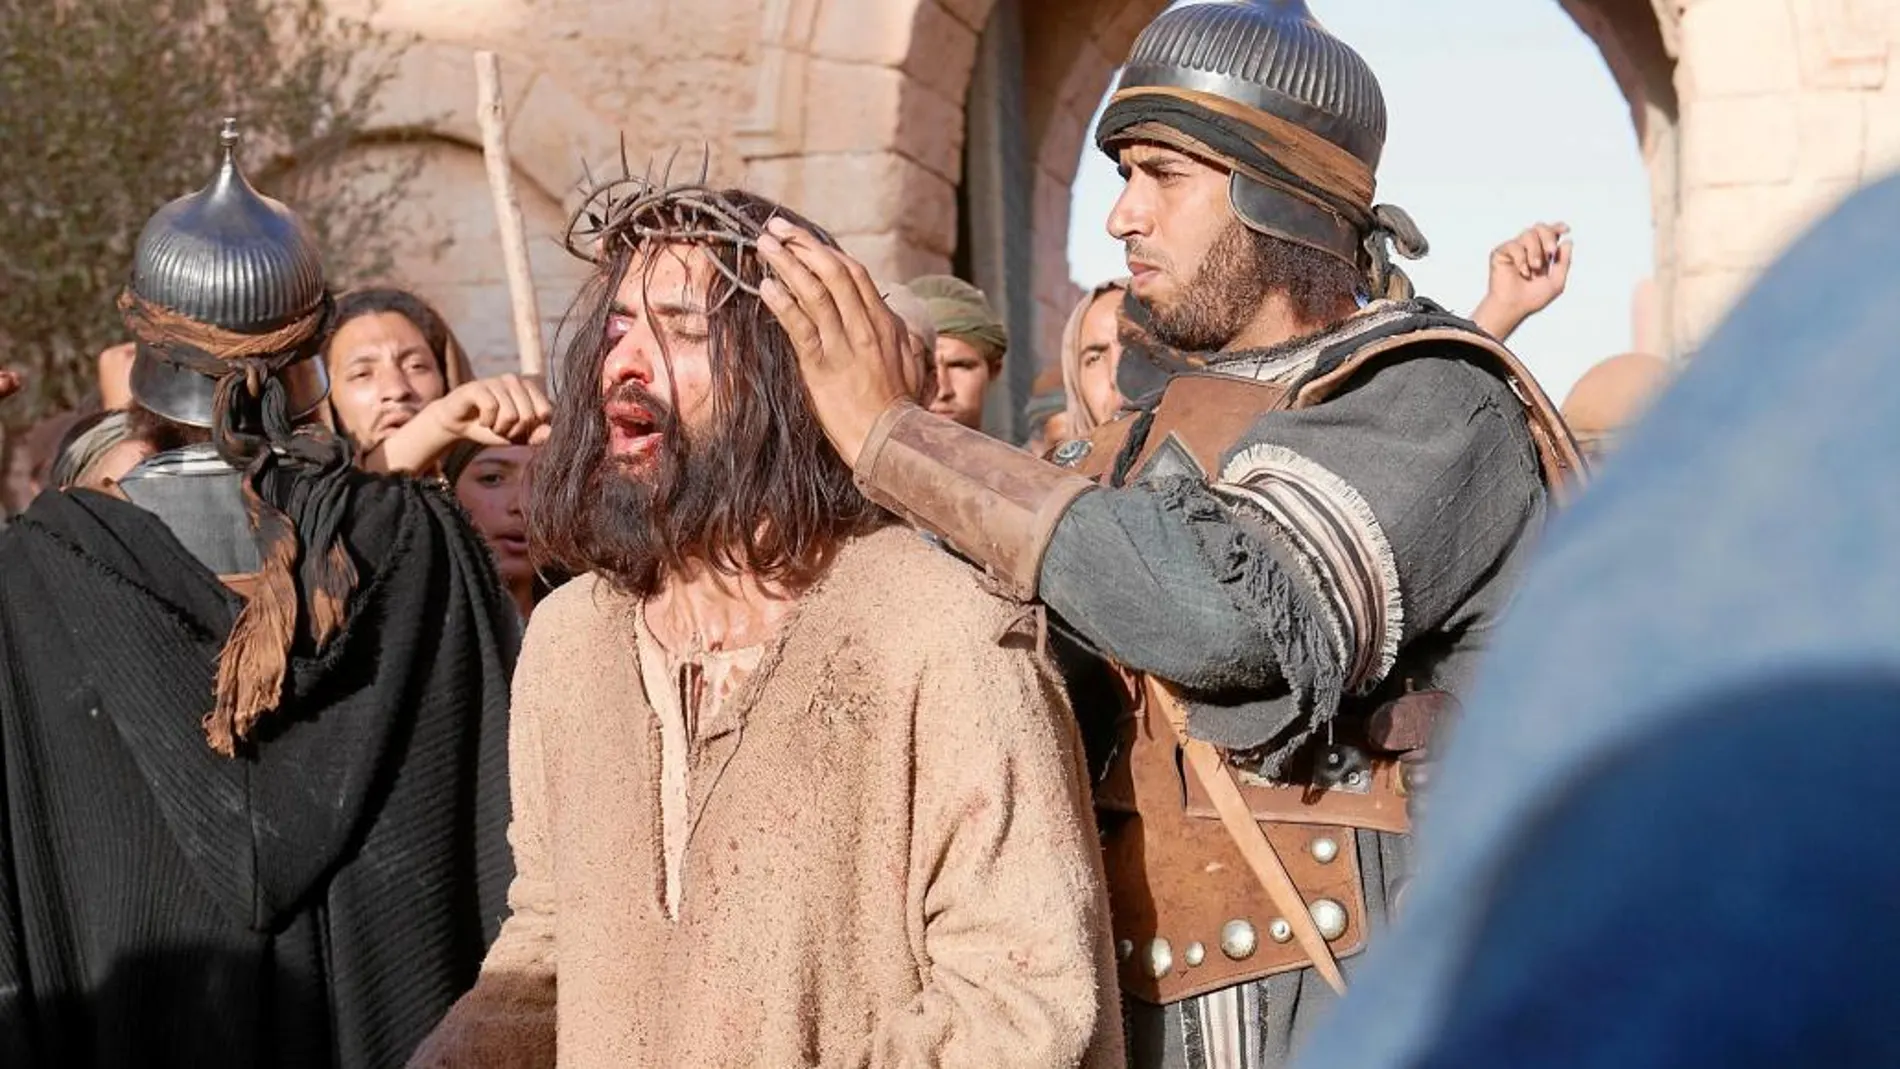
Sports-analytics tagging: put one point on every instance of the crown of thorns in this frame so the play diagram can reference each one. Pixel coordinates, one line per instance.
(637, 209)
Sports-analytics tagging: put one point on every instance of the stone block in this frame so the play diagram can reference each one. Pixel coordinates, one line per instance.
(1845, 44)
(927, 209)
(687, 101)
(1743, 228)
(972, 13)
(1049, 318)
(1116, 35)
(890, 257)
(1088, 77)
(1736, 48)
(1832, 135)
(551, 132)
(434, 86)
(851, 107)
(1050, 275)
(878, 33)
(942, 51)
(1729, 141)
(1049, 205)
(713, 29)
(1067, 137)
(1880, 144)
(930, 130)
(1702, 300)
(864, 193)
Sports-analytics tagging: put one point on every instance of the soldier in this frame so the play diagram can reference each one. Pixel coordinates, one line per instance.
(253, 719)
(1291, 554)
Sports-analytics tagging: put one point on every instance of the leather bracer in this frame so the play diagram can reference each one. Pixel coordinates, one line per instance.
(992, 502)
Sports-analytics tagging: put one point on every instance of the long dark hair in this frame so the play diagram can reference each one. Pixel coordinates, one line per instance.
(450, 359)
(758, 491)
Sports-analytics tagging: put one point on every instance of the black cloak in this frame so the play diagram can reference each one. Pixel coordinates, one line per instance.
(321, 899)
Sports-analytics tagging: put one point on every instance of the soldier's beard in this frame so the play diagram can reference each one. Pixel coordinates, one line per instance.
(1222, 298)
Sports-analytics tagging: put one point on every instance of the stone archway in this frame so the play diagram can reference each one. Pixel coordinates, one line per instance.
(1639, 40)
(550, 132)
(1752, 115)
(1071, 53)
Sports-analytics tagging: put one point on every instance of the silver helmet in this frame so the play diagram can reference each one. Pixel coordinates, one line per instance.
(1291, 110)
(236, 262)
(1267, 54)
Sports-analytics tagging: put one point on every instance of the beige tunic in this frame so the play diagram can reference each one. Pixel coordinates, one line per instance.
(686, 693)
(889, 856)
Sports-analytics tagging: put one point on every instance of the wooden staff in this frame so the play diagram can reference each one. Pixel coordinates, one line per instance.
(514, 234)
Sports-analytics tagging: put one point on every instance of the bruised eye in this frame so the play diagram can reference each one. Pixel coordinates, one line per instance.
(617, 327)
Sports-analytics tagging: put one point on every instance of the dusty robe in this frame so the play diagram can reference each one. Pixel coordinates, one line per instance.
(321, 899)
(890, 856)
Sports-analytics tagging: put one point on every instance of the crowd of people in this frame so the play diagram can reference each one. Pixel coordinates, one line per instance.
(730, 698)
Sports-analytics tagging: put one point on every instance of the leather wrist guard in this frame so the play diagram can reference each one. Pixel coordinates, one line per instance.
(992, 502)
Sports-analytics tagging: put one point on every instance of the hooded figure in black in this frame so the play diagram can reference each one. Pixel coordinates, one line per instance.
(253, 710)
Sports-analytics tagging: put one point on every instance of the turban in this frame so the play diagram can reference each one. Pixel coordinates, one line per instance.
(961, 311)
(1288, 182)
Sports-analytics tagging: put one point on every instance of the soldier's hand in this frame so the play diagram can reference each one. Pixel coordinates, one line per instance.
(504, 410)
(9, 383)
(1527, 273)
(850, 345)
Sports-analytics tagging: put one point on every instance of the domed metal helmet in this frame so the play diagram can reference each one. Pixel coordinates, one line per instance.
(1259, 87)
(222, 276)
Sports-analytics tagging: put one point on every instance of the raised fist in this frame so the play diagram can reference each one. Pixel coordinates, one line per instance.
(1527, 273)
(504, 410)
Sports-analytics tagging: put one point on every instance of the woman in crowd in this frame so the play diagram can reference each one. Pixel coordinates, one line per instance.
(1091, 353)
(491, 482)
(401, 387)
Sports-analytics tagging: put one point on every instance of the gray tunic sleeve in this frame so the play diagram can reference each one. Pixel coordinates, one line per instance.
(1331, 536)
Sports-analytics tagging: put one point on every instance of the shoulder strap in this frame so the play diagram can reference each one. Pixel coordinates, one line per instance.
(1563, 465)
(1204, 412)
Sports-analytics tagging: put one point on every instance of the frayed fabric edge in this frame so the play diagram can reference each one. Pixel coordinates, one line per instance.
(1351, 510)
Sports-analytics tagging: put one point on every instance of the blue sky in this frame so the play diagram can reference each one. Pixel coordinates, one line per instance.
(1502, 114)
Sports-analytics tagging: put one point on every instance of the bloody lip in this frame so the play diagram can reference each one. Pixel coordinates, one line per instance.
(630, 431)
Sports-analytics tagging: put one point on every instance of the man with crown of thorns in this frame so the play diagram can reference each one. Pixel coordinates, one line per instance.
(789, 787)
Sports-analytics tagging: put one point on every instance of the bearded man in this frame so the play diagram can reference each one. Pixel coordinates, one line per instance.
(788, 787)
(1292, 553)
(252, 726)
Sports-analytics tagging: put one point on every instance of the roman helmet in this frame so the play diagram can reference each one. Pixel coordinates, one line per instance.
(1260, 88)
(227, 291)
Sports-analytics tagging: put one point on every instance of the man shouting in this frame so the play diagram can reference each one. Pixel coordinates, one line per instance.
(788, 788)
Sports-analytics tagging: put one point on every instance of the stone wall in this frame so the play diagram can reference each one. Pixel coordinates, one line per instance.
(1753, 115)
(1787, 105)
(849, 110)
